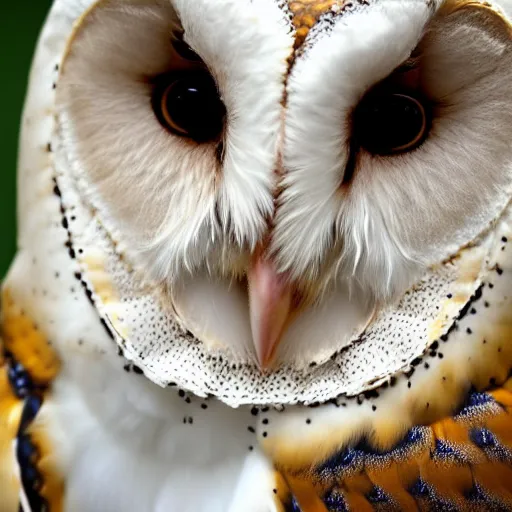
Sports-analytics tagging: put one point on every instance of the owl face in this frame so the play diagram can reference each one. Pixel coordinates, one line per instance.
(279, 174)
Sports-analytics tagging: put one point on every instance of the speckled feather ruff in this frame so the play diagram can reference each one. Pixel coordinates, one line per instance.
(168, 354)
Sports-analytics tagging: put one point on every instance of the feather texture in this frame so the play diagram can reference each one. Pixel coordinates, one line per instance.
(128, 381)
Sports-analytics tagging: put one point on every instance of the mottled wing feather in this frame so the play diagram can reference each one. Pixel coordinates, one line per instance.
(459, 463)
(10, 414)
(29, 480)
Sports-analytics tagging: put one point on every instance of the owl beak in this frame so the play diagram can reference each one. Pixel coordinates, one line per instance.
(271, 308)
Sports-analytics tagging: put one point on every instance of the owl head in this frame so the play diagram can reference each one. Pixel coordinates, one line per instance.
(271, 200)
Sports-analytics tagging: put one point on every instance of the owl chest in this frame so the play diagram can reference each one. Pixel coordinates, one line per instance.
(125, 444)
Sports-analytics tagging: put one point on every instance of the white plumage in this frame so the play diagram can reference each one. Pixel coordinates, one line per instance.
(138, 246)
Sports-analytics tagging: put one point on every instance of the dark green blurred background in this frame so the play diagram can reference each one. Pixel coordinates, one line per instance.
(20, 24)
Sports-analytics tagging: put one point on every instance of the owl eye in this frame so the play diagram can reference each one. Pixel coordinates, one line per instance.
(189, 105)
(390, 123)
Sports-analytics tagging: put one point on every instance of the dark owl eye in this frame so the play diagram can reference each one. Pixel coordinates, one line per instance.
(390, 123)
(189, 105)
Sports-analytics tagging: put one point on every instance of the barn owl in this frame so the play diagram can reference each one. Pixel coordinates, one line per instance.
(264, 259)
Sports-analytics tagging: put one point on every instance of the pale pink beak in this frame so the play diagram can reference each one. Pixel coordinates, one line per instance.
(270, 305)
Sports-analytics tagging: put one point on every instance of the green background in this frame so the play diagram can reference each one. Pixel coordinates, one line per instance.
(20, 24)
